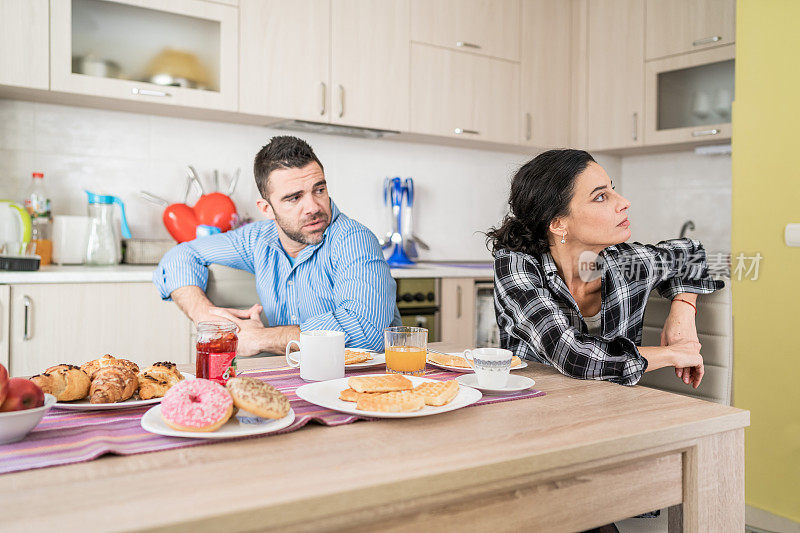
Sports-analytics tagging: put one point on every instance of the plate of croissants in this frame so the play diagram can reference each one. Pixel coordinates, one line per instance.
(108, 383)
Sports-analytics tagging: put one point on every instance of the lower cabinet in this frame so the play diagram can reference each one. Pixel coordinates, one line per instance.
(458, 322)
(48, 324)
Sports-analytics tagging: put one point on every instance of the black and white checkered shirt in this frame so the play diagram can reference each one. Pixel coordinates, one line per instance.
(540, 320)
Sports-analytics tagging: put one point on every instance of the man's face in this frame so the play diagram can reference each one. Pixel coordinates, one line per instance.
(298, 202)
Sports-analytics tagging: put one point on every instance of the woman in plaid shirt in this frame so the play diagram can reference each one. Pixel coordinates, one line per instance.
(570, 292)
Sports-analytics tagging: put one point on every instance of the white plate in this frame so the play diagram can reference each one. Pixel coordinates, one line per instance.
(520, 366)
(235, 427)
(85, 405)
(514, 384)
(326, 394)
(378, 359)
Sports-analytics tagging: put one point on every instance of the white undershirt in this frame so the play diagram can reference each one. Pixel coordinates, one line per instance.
(593, 322)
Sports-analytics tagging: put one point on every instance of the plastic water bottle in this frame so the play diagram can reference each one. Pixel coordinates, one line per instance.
(37, 203)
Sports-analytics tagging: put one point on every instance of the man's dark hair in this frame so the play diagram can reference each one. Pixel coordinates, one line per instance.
(284, 151)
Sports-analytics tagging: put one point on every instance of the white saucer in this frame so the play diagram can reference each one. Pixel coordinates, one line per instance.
(515, 383)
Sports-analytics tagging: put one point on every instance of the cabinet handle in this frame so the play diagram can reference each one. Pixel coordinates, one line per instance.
(459, 131)
(148, 92)
(322, 91)
(635, 130)
(707, 40)
(528, 131)
(341, 101)
(704, 133)
(28, 305)
(464, 44)
(458, 302)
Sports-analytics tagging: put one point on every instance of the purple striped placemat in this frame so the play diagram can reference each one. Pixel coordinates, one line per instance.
(64, 437)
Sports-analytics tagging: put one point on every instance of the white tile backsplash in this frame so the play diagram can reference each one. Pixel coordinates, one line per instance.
(460, 192)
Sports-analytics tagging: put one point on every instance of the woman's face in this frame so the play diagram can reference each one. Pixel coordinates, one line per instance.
(598, 215)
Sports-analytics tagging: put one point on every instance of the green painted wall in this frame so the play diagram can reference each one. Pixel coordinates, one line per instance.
(766, 196)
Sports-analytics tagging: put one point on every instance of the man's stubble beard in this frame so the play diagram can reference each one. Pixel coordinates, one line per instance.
(297, 234)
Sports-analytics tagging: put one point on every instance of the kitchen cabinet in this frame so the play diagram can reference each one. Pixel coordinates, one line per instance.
(171, 52)
(457, 297)
(484, 27)
(24, 42)
(462, 95)
(689, 97)
(615, 76)
(337, 61)
(76, 322)
(681, 26)
(545, 73)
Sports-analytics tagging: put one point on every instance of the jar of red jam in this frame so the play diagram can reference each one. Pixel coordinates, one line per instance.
(216, 351)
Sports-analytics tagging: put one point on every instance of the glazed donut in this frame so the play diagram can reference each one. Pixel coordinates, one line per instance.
(196, 405)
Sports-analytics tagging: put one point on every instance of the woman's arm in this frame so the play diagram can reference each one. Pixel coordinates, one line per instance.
(684, 355)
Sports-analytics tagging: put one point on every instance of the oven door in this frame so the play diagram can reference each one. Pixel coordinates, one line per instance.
(424, 317)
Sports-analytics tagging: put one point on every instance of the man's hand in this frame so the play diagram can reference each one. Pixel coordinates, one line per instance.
(252, 333)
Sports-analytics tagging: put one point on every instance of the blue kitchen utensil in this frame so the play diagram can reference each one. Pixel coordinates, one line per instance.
(396, 192)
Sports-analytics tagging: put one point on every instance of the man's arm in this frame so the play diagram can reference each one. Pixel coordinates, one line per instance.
(254, 338)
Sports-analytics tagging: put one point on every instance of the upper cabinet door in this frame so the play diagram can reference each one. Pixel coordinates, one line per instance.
(462, 95)
(545, 73)
(486, 27)
(24, 41)
(680, 26)
(615, 80)
(173, 52)
(370, 63)
(285, 58)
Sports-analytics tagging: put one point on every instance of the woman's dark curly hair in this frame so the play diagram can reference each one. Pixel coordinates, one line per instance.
(540, 191)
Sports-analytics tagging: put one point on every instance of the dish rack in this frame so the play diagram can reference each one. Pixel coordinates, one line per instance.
(145, 251)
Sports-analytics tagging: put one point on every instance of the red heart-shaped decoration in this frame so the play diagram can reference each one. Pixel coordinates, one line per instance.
(215, 209)
(181, 222)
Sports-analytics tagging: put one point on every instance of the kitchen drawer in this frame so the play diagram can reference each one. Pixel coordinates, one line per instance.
(76, 322)
(485, 27)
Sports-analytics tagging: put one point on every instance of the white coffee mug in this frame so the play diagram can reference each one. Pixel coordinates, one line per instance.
(491, 366)
(321, 355)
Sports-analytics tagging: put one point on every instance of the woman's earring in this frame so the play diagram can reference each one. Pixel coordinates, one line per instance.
(564, 238)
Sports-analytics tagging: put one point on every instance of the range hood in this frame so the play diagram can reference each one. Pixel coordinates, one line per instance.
(331, 129)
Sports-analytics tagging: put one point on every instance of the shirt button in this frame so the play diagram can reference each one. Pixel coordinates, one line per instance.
(289, 282)
(294, 317)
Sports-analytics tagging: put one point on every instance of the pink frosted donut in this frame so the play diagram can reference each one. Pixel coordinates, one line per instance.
(196, 405)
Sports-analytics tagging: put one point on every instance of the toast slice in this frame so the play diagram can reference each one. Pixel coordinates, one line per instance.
(392, 402)
(440, 393)
(385, 383)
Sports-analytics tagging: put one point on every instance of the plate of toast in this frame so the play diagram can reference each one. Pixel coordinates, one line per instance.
(108, 383)
(457, 363)
(354, 358)
(389, 395)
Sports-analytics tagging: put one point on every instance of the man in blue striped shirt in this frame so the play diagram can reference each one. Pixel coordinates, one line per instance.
(315, 268)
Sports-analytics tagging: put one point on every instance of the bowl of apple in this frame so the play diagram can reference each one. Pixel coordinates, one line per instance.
(22, 406)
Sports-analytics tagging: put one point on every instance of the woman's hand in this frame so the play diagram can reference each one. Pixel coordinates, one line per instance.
(680, 326)
(686, 357)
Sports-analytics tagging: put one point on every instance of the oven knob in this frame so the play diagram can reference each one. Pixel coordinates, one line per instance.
(419, 297)
(407, 297)
(431, 296)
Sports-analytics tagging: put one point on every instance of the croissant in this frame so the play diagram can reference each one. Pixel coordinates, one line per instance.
(65, 382)
(112, 384)
(155, 380)
(107, 360)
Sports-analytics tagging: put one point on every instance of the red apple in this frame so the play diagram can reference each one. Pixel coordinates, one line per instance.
(3, 383)
(22, 394)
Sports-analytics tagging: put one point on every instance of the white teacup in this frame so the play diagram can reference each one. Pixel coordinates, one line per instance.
(491, 366)
(321, 355)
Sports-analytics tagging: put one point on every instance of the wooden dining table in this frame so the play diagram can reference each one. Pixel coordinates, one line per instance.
(586, 454)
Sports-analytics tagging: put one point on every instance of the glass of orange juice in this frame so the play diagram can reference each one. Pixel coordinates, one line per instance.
(406, 349)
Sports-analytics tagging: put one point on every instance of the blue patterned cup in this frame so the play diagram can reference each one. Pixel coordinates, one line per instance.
(491, 366)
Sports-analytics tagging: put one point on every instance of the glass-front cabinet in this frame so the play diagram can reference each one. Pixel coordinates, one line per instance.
(175, 52)
(688, 98)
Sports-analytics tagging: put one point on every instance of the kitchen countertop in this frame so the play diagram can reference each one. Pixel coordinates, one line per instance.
(586, 454)
(144, 273)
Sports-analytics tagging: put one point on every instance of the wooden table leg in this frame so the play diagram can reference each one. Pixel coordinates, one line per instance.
(713, 486)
